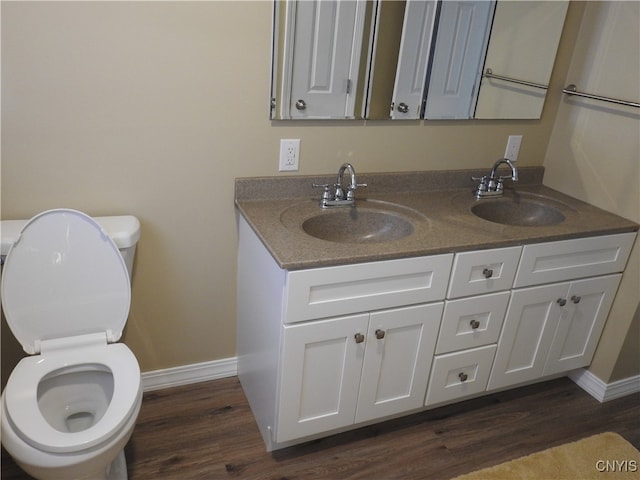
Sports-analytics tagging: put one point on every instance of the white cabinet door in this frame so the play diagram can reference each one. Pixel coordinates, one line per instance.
(581, 324)
(413, 58)
(320, 374)
(529, 328)
(400, 346)
(326, 58)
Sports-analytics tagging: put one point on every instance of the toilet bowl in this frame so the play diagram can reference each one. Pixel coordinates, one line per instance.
(70, 407)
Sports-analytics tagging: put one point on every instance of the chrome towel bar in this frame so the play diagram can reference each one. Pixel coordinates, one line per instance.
(488, 73)
(573, 90)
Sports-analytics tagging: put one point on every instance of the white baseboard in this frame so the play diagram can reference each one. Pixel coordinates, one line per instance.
(603, 392)
(228, 367)
(188, 374)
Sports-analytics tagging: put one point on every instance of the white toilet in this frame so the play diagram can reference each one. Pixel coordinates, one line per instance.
(70, 407)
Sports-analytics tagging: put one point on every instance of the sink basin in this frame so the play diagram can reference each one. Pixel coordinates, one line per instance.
(369, 222)
(356, 225)
(518, 211)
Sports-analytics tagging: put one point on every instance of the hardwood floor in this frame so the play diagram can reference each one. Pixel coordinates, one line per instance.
(207, 431)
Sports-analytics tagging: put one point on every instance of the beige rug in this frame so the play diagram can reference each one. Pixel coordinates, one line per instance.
(603, 457)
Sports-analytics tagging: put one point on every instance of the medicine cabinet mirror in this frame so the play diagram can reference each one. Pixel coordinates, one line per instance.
(413, 59)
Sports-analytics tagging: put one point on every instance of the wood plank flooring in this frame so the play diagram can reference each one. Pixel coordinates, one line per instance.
(207, 431)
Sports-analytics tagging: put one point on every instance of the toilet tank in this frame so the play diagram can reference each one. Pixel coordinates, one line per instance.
(124, 230)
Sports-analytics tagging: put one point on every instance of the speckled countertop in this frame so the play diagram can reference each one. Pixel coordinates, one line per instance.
(438, 204)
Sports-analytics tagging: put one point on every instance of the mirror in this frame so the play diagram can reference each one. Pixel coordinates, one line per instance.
(522, 50)
(413, 59)
(317, 58)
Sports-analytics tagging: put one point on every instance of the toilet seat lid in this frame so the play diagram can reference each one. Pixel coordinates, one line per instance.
(64, 277)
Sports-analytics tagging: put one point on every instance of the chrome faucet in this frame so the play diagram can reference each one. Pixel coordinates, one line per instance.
(334, 195)
(493, 186)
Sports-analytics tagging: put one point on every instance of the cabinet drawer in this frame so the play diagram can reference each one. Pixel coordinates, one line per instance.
(332, 291)
(569, 259)
(472, 322)
(460, 374)
(483, 271)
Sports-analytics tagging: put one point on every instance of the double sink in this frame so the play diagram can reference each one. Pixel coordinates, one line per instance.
(413, 214)
(377, 221)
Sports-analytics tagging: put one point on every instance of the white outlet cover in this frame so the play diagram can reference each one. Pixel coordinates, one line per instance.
(289, 154)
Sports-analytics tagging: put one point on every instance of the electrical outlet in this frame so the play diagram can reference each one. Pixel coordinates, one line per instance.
(289, 154)
(513, 147)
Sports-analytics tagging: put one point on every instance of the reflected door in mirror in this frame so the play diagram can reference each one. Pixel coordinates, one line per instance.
(321, 59)
(463, 31)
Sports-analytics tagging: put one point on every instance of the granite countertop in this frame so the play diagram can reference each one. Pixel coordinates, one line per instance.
(437, 203)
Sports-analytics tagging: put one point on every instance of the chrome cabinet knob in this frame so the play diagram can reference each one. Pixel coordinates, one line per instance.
(380, 334)
(403, 107)
(359, 337)
(487, 272)
(301, 104)
(463, 376)
(474, 324)
(576, 299)
(562, 302)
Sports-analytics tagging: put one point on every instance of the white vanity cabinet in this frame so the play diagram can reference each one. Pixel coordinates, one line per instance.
(555, 327)
(322, 350)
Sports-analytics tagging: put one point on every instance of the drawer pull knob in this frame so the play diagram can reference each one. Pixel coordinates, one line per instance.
(487, 272)
(474, 324)
(562, 302)
(463, 376)
(380, 334)
(576, 299)
(359, 337)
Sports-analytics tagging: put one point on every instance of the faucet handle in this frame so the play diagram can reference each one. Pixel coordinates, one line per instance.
(326, 194)
(483, 185)
(351, 190)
